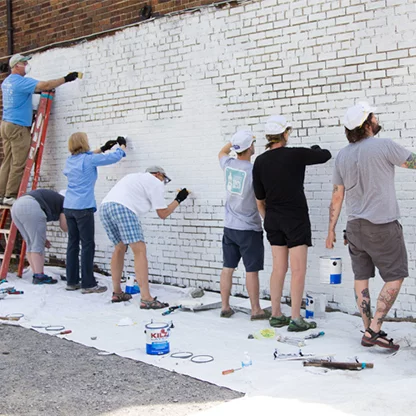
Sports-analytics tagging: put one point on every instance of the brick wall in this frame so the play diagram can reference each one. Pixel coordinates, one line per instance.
(181, 85)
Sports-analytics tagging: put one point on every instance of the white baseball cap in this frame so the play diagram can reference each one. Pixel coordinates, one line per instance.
(242, 140)
(18, 58)
(356, 115)
(276, 125)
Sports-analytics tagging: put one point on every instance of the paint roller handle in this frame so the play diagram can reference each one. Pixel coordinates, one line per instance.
(67, 331)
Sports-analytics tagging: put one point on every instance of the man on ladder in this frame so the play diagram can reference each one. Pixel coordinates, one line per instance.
(17, 118)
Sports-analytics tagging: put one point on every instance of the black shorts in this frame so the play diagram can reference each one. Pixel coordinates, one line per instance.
(245, 244)
(289, 232)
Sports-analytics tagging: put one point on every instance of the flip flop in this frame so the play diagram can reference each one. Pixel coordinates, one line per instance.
(227, 314)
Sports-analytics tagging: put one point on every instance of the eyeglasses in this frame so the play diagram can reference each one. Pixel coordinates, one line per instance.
(166, 179)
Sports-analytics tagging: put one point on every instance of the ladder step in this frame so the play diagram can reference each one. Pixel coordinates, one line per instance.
(5, 206)
(4, 231)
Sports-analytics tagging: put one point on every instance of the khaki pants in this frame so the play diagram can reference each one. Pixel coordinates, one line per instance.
(16, 146)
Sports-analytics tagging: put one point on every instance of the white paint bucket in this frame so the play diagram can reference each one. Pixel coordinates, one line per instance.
(157, 338)
(330, 270)
(310, 307)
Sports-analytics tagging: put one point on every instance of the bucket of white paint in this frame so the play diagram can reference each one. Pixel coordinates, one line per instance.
(330, 270)
(310, 307)
(132, 288)
(157, 338)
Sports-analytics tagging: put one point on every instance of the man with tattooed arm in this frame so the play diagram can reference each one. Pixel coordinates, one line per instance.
(364, 173)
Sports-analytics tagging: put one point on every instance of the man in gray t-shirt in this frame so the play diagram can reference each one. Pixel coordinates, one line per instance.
(243, 235)
(364, 172)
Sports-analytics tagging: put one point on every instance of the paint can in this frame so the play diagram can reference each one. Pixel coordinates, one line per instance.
(132, 288)
(310, 307)
(157, 338)
(330, 270)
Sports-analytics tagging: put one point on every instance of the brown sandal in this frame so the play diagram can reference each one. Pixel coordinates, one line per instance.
(153, 304)
(120, 297)
(374, 340)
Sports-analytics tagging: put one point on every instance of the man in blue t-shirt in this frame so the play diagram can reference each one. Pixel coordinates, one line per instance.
(17, 119)
(243, 233)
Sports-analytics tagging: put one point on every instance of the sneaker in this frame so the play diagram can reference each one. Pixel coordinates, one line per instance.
(43, 279)
(299, 325)
(8, 200)
(279, 321)
(95, 289)
(73, 287)
(227, 314)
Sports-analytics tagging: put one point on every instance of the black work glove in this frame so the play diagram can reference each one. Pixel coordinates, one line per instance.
(72, 76)
(316, 147)
(121, 140)
(108, 145)
(182, 195)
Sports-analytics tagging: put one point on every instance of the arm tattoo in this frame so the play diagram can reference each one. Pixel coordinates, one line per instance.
(335, 189)
(411, 161)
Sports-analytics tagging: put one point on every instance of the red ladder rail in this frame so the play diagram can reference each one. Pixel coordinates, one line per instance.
(39, 129)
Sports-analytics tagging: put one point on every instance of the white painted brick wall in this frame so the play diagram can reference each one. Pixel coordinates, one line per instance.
(180, 86)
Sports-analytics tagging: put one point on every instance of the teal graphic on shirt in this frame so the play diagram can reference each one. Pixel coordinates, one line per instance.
(235, 179)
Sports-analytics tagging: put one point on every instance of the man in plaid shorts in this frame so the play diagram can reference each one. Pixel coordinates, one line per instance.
(120, 212)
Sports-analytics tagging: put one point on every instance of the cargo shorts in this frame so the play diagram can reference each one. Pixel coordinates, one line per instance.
(377, 245)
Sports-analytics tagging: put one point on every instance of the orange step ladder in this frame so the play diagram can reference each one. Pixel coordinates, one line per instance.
(38, 132)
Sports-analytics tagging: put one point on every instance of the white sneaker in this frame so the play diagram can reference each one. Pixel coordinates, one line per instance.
(9, 201)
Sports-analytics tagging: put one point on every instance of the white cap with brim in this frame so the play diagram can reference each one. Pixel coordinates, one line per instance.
(18, 58)
(357, 115)
(242, 140)
(276, 125)
(157, 169)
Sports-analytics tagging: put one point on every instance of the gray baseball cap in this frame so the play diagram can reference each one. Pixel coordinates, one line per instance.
(158, 169)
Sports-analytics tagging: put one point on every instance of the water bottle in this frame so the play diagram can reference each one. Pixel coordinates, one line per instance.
(132, 288)
(246, 361)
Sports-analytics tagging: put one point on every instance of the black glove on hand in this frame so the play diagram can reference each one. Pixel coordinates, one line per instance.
(182, 195)
(121, 141)
(316, 147)
(72, 76)
(108, 145)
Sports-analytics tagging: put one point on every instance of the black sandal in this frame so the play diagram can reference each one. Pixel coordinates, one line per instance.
(374, 340)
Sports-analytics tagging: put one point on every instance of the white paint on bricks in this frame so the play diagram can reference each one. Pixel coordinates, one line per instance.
(180, 86)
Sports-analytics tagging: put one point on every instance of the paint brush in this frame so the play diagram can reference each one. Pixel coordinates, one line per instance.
(231, 370)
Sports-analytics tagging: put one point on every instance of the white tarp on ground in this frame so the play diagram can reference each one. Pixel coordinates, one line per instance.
(388, 389)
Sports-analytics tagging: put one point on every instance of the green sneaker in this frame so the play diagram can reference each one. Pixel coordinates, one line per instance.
(299, 325)
(279, 321)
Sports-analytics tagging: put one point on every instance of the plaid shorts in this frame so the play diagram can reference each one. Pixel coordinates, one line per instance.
(120, 223)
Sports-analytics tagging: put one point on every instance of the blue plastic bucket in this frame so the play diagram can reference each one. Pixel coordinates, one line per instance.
(330, 270)
(157, 338)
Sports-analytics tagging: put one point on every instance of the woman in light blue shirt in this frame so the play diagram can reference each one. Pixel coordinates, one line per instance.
(80, 205)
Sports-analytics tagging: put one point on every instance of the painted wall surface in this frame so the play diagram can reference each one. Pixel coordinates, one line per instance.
(180, 86)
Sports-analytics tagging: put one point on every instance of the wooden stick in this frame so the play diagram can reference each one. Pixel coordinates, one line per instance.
(337, 365)
(9, 318)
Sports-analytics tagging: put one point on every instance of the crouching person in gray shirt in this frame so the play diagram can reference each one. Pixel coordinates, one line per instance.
(364, 172)
(243, 233)
(30, 213)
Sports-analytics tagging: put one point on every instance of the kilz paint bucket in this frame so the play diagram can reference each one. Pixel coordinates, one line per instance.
(330, 270)
(157, 338)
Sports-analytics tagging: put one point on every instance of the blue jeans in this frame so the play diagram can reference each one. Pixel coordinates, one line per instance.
(80, 229)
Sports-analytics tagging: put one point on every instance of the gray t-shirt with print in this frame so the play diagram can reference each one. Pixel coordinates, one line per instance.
(366, 169)
(241, 211)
